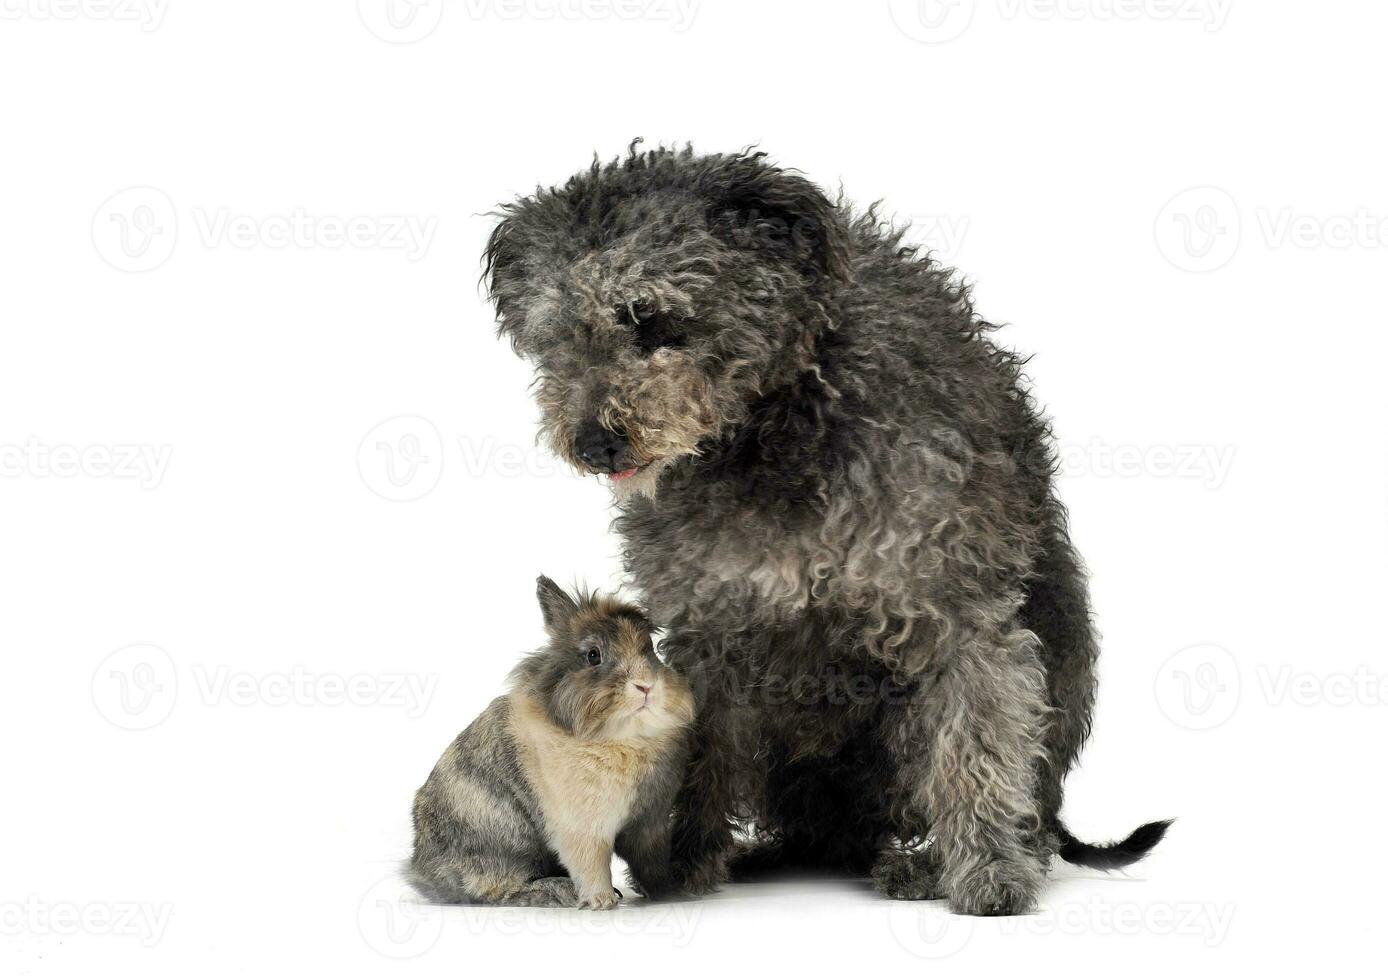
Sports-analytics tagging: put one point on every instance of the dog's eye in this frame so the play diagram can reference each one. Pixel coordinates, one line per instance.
(651, 329)
(594, 656)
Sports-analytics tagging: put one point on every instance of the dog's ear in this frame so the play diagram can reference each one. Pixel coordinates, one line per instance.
(761, 207)
(500, 258)
(504, 272)
(556, 605)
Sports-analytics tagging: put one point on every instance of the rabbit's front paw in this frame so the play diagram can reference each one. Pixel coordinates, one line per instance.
(602, 900)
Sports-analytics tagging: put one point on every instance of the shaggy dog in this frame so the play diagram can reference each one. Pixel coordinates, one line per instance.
(836, 493)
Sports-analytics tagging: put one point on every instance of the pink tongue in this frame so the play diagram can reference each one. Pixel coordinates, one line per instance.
(622, 475)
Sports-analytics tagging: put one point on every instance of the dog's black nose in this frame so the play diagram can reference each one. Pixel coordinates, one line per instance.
(599, 448)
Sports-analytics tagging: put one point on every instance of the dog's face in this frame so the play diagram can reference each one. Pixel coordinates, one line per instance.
(658, 297)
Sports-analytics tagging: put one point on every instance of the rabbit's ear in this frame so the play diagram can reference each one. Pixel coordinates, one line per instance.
(556, 605)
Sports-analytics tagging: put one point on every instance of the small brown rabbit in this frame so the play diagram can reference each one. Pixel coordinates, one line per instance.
(582, 757)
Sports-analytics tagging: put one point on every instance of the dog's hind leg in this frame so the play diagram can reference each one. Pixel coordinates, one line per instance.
(822, 813)
(982, 714)
(1057, 611)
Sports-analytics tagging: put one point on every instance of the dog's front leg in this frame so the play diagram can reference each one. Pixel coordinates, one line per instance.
(982, 715)
(705, 806)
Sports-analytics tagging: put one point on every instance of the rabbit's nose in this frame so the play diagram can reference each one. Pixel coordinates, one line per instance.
(643, 688)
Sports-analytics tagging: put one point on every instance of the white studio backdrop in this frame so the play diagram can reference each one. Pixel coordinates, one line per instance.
(272, 509)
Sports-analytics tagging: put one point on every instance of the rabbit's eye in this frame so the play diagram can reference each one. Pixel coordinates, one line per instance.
(594, 656)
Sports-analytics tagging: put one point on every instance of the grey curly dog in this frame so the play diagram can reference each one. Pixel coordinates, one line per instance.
(836, 494)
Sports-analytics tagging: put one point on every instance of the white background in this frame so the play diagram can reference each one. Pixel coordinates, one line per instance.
(1212, 359)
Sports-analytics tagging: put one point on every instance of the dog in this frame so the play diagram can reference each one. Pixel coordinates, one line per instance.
(835, 490)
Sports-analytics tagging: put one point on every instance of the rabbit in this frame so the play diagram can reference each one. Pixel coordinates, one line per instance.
(581, 758)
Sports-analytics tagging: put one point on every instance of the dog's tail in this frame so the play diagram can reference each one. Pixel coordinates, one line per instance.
(1119, 854)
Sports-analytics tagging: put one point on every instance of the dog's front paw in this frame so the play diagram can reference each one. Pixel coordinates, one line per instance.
(700, 877)
(1001, 887)
(652, 886)
(906, 875)
(601, 901)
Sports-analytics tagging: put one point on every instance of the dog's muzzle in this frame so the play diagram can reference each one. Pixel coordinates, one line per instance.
(600, 449)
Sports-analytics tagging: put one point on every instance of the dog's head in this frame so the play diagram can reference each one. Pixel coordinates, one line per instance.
(659, 296)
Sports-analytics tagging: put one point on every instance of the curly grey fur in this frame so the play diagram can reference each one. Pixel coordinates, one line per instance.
(842, 510)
